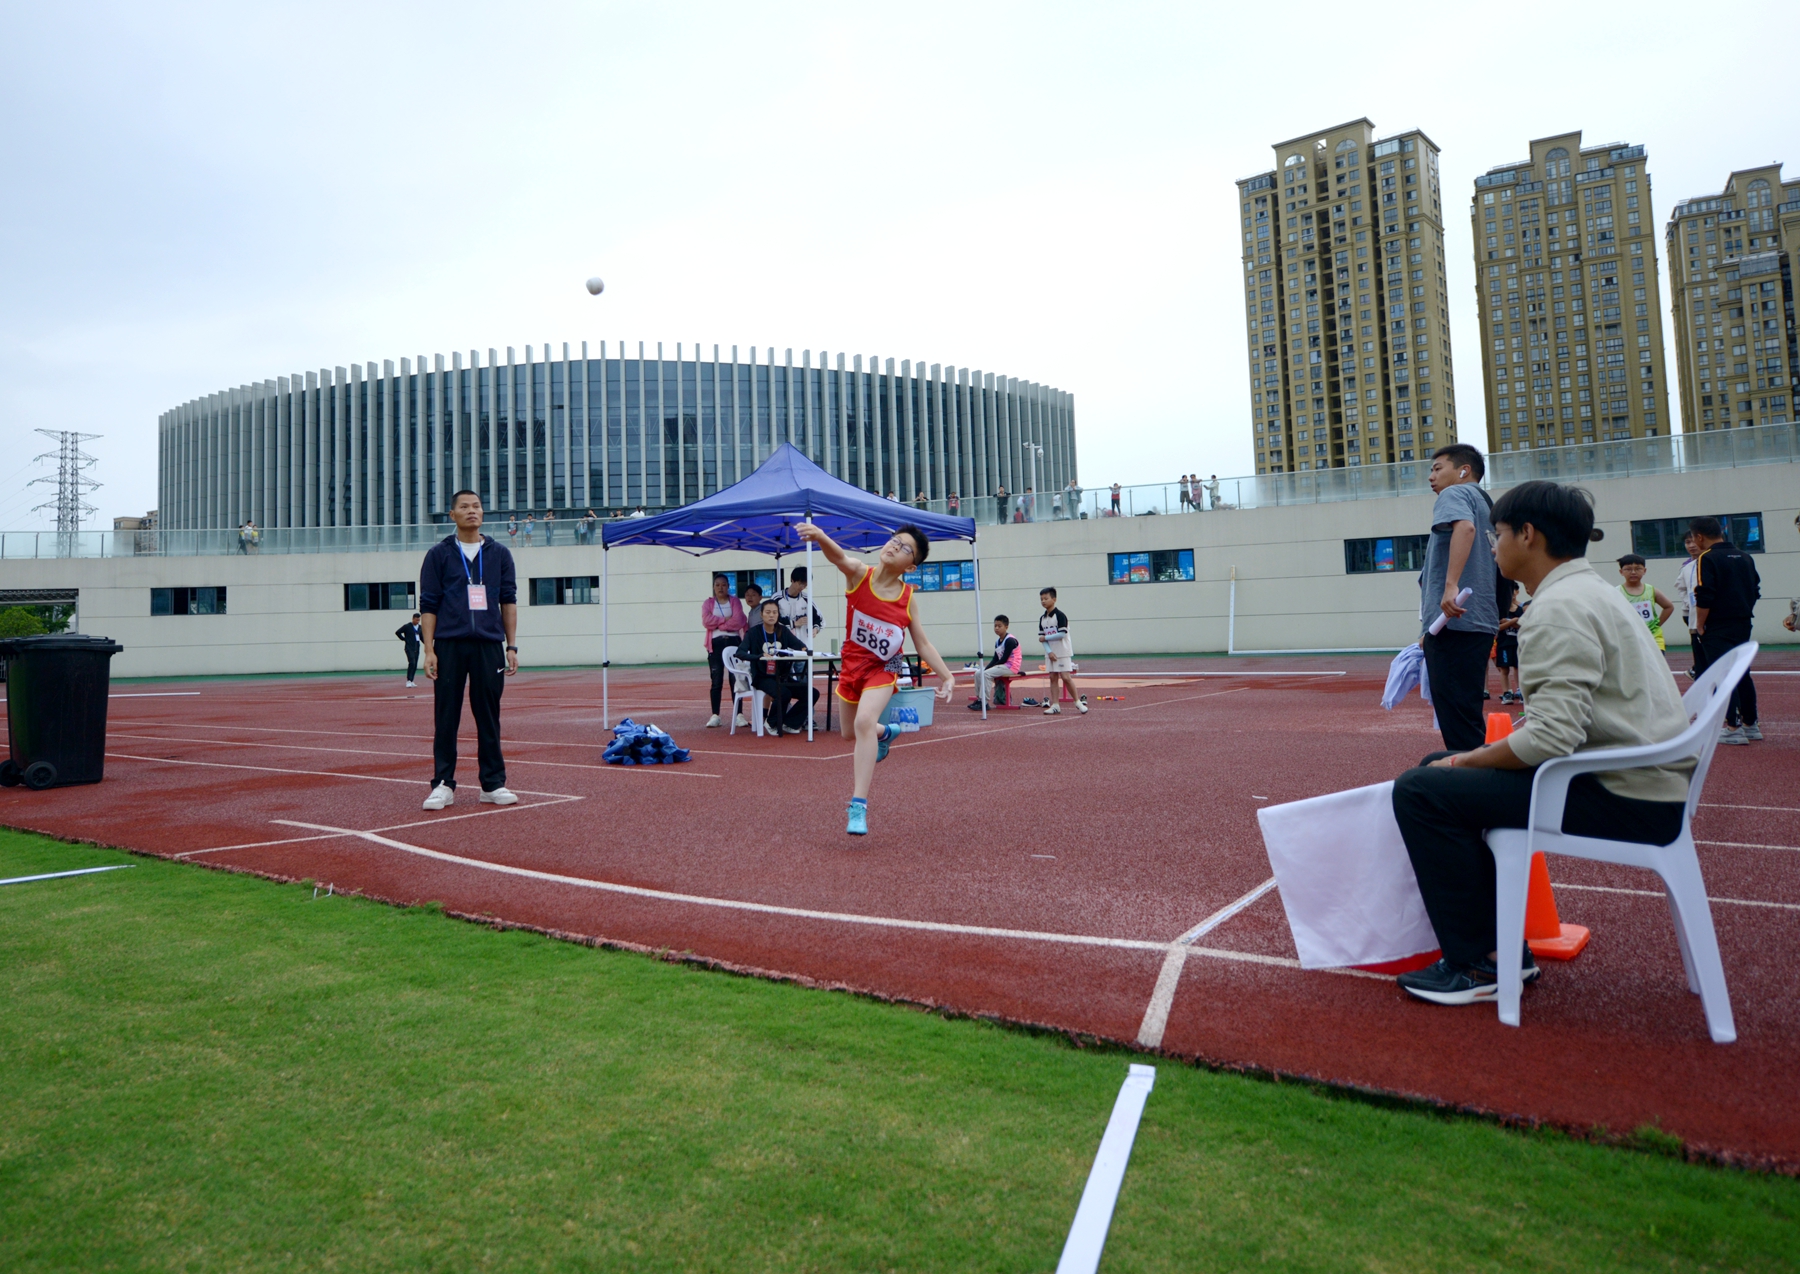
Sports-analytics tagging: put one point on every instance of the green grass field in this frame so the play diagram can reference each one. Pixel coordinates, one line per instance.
(205, 1071)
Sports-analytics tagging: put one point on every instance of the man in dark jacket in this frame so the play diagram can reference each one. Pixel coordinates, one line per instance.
(469, 598)
(411, 634)
(1726, 590)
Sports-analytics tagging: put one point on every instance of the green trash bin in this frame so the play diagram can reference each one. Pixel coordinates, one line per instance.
(56, 691)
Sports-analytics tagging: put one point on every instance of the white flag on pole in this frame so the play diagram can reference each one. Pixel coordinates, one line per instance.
(1346, 882)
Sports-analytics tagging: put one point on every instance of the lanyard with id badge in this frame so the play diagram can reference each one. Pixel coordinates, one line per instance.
(477, 592)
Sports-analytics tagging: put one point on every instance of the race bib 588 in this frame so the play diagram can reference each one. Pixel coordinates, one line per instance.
(877, 636)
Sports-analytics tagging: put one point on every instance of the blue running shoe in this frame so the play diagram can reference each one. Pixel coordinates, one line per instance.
(858, 824)
(881, 742)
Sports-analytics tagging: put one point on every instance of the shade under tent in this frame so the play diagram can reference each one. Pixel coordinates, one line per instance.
(760, 514)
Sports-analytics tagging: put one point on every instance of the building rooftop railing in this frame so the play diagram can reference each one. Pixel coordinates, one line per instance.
(1591, 462)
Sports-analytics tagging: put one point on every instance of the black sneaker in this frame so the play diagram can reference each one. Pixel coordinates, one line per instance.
(1447, 983)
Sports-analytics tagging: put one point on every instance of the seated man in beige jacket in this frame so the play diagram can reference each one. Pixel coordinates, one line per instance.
(1593, 678)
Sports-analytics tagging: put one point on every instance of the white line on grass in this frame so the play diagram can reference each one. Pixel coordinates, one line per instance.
(1657, 893)
(1087, 1235)
(1156, 1013)
(58, 875)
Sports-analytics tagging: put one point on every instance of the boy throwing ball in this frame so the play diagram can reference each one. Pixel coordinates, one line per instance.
(877, 617)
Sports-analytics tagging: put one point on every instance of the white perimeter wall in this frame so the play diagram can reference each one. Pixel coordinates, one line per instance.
(285, 613)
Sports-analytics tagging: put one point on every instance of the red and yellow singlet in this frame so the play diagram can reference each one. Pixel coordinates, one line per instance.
(874, 637)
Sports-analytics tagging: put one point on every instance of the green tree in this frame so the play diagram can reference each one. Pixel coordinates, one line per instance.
(21, 621)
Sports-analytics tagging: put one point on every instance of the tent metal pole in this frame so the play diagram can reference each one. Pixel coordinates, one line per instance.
(605, 649)
(811, 637)
(980, 681)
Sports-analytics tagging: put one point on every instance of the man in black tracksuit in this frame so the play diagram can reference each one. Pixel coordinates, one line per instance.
(1726, 590)
(414, 637)
(469, 598)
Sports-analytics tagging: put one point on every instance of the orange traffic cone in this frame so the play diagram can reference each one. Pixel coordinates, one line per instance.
(1544, 931)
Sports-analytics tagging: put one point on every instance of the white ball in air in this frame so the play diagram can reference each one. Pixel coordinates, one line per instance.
(596, 286)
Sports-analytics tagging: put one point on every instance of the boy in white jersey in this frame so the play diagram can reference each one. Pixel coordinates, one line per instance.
(1059, 654)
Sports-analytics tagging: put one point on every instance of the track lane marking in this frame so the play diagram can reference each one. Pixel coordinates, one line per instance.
(391, 827)
(1156, 1013)
(1657, 893)
(807, 913)
(320, 774)
(400, 756)
(1739, 844)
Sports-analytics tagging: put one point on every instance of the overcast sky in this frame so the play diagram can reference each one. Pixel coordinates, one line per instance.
(200, 196)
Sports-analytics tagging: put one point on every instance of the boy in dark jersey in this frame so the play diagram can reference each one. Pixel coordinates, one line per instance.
(877, 617)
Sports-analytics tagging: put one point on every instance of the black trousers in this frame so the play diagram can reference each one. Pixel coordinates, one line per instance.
(412, 662)
(781, 691)
(482, 664)
(715, 664)
(1723, 635)
(1442, 814)
(1456, 662)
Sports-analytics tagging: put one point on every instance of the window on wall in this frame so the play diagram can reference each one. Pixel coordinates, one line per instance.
(397, 596)
(1162, 566)
(566, 590)
(943, 577)
(1387, 553)
(1661, 537)
(187, 601)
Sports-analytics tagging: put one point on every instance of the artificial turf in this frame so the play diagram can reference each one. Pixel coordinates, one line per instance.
(211, 1071)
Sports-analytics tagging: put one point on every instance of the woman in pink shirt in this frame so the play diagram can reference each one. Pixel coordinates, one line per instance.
(722, 618)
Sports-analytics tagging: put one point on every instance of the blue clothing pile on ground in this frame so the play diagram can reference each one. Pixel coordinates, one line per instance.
(635, 744)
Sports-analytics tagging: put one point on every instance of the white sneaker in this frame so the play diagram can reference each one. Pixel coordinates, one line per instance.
(742, 721)
(499, 796)
(1082, 704)
(441, 795)
(409, 685)
(713, 722)
(1053, 710)
(1733, 736)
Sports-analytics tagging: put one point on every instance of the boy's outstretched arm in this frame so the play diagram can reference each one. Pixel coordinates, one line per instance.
(851, 567)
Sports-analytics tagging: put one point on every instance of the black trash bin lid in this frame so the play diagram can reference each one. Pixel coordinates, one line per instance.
(13, 647)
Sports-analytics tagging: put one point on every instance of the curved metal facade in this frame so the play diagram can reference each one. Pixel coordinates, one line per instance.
(384, 447)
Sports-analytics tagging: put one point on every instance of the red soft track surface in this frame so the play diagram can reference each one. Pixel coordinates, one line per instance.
(1030, 868)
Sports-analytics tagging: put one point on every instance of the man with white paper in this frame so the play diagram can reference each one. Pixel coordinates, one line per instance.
(1593, 678)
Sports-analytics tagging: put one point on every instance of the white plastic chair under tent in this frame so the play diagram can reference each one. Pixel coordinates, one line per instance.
(741, 689)
(1677, 863)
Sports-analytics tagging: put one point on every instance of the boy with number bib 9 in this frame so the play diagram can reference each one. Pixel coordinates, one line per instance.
(877, 617)
(1645, 601)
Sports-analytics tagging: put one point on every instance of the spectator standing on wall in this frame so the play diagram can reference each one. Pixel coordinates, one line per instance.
(549, 527)
(1072, 493)
(512, 530)
(1115, 499)
(1212, 491)
(587, 527)
(530, 523)
(954, 505)
(1726, 590)
(1029, 499)
(919, 501)
(1187, 494)
(1458, 556)
(469, 597)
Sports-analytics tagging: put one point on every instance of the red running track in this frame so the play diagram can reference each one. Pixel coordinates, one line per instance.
(1030, 868)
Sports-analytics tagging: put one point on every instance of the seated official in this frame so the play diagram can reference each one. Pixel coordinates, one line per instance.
(1008, 662)
(1592, 678)
(780, 681)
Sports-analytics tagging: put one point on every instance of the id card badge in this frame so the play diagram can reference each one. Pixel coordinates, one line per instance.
(478, 597)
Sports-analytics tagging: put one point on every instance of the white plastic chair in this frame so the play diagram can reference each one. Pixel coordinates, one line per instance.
(741, 689)
(1677, 863)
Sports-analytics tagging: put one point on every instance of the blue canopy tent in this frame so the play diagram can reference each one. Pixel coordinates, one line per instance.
(760, 513)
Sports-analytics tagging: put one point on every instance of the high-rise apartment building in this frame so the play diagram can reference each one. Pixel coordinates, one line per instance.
(1565, 280)
(1731, 282)
(1348, 311)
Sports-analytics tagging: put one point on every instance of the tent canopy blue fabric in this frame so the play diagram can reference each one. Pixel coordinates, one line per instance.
(760, 514)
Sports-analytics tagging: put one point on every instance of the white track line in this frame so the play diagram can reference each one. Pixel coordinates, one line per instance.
(799, 913)
(1738, 844)
(391, 827)
(1156, 1013)
(1657, 893)
(58, 875)
(321, 774)
(1773, 809)
(398, 756)
(1087, 1234)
